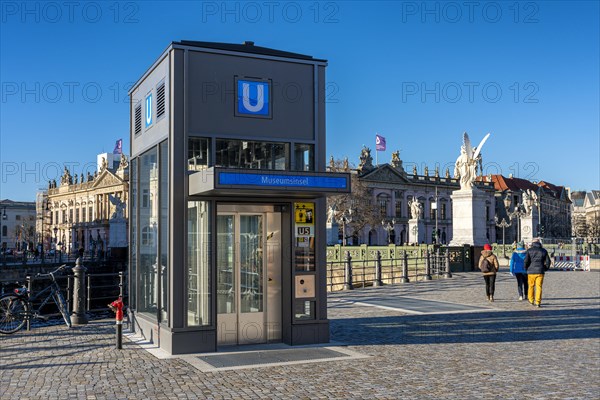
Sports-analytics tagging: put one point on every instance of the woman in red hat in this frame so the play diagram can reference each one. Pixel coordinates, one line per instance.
(488, 264)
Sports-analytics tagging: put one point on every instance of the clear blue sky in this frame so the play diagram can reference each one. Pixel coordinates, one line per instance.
(417, 74)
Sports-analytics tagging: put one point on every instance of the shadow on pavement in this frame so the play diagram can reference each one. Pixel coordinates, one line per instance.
(483, 327)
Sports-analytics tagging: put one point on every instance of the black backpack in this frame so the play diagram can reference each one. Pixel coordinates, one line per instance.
(486, 266)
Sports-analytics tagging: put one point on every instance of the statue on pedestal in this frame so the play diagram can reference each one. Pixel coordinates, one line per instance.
(415, 209)
(465, 167)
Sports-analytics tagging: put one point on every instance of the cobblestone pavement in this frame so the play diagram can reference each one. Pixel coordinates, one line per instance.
(511, 351)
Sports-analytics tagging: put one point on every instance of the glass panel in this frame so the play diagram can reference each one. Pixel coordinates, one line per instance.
(225, 264)
(198, 251)
(198, 152)
(148, 215)
(133, 232)
(304, 155)
(164, 229)
(304, 309)
(252, 155)
(251, 263)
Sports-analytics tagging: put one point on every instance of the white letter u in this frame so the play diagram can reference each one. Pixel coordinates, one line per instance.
(260, 100)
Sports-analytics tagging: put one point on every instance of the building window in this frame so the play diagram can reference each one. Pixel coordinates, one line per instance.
(64, 216)
(304, 155)
(198, 258)
(77, 215)
(198, 153)
(70, 216)
(251, 155)
(18, 217)
(4, 230)
(398, 209)
(147, 236)
(90, 213)
(83, 216)
(443, 210)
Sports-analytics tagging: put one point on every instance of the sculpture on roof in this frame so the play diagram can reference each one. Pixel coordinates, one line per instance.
(66, 178)
(396, 161)
(104, 164)
(123, 164)
(366, 161)
(465, 167)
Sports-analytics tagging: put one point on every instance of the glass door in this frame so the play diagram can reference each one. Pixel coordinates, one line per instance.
(240, 279)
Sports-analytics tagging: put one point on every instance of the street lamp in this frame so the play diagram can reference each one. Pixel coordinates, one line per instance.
(517, 212)
(344, 218)
(55, 242)
(389, 227)
(502, 224)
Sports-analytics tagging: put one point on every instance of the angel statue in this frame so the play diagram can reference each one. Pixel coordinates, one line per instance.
(415, 209)
(465, 167)
(119, 207)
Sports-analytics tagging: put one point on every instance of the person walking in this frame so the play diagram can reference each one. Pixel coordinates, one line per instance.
(488, 264)
(537, 262)
(517, 269)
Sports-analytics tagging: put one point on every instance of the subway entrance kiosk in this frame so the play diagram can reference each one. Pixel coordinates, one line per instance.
(228, 186)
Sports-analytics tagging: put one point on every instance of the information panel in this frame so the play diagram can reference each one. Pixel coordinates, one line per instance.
(304, 236)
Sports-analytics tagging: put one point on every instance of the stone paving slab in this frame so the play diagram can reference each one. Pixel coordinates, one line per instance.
(512, 351)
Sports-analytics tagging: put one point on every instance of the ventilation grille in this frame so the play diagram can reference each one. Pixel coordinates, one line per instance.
(138, 119)
(160, 101)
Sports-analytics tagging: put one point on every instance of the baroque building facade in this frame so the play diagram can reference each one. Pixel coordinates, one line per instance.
(87, 213)
(391, 191)
(17, 225)
(531, 209)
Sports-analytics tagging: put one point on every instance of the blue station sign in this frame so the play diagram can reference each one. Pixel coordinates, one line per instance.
(267, 180)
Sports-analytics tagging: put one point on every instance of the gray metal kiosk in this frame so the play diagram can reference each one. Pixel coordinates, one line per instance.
(228, 186)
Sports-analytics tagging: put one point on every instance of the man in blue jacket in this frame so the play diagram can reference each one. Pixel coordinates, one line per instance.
(537, 262)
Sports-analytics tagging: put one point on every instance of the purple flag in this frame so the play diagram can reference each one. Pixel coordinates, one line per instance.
(118, 147)
(379, 143)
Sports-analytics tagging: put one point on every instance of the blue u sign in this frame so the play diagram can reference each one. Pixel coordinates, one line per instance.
(253, 98)
(148, 118)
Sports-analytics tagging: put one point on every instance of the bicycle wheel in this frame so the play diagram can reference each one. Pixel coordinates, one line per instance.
(62, 307)
(13, 313)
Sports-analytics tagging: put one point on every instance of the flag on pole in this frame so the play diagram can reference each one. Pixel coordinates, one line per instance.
(118, 147)
(379, 142)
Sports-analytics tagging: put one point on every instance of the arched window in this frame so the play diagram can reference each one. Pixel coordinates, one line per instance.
(5, 230)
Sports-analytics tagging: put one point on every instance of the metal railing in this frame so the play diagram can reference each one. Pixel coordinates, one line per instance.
(100, 289)
(349, 274)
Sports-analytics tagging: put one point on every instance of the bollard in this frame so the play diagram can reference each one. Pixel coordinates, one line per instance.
(404, 278)
(377, 281)
(117, 307)
(427, 266)
(447, 274)
(79, 317)
(29, 287)
(348, 272)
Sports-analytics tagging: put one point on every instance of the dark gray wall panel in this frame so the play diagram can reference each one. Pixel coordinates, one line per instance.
(211, 97)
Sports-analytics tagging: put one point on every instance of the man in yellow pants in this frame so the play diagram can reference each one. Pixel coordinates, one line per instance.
(537, 262)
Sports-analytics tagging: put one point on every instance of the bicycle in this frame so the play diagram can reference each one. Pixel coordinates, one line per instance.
(17, 308)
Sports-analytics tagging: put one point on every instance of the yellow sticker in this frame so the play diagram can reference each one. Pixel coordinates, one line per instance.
(305, 213)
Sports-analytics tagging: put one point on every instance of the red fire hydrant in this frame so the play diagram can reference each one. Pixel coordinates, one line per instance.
(117, 307)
